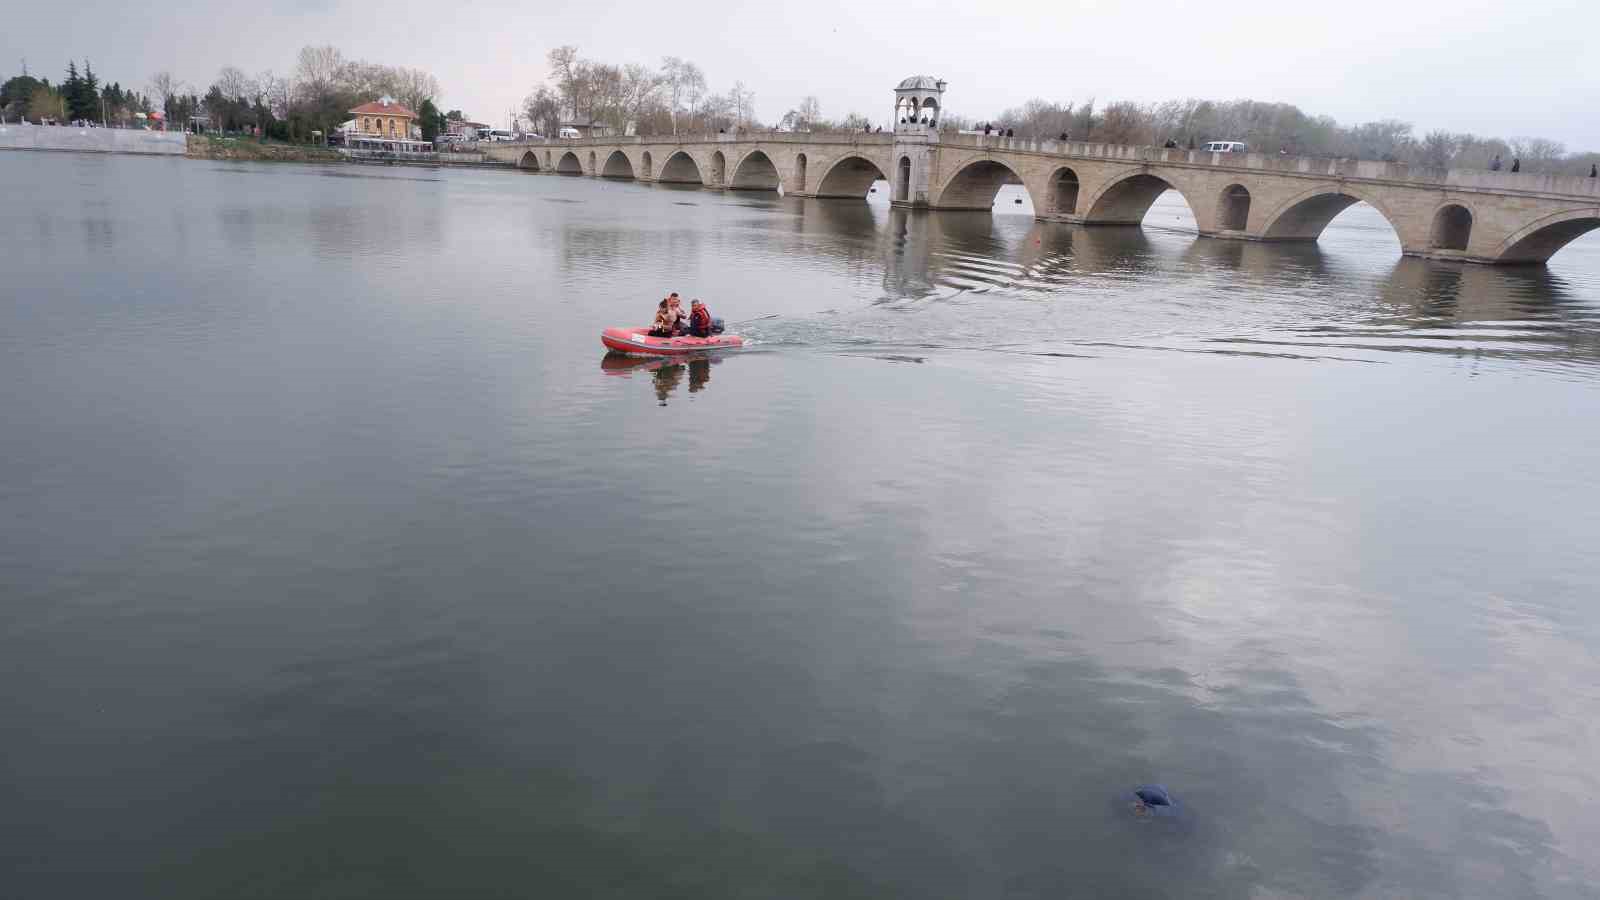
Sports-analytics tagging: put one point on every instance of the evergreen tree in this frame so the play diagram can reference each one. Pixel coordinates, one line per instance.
(70, 88)
(432, 121)
(88, 94)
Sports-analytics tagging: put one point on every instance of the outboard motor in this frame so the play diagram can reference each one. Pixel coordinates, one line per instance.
(716, 325)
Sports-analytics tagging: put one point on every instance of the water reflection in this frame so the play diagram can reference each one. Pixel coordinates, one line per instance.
(667, 373)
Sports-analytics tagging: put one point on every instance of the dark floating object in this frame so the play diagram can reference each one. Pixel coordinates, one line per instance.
(1018, 200)
(1152, 801)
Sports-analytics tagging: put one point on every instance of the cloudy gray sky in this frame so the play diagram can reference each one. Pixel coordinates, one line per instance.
(1508, 67)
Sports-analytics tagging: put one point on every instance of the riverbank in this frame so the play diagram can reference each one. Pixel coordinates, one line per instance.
(208, 147)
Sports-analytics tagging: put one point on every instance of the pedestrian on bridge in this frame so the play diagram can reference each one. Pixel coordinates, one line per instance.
(1594, 170)
(1516, 164)
(1494, 164)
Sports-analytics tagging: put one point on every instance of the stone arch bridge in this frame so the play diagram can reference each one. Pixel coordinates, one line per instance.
(1488, 217)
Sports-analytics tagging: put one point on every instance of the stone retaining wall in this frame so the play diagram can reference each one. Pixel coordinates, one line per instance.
(91, 140)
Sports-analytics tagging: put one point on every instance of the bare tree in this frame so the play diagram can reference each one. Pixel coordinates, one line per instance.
(685, 83)
(567, 68)
(1437, 149)
(412, 86)
(743, 101)
(1538, 154)
(274, 92)
(163, 87)
(809, 113)
(233, 83)
(319, 71)
(542, 109)
(641, 87)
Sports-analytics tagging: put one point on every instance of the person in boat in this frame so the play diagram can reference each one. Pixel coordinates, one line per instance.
(675, 313)
(699, 320)
(666, 320)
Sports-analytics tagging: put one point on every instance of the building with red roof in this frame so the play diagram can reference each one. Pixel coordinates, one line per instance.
(384, 118)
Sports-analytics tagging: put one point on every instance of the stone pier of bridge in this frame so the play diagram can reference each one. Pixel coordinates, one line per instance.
(1475, 216)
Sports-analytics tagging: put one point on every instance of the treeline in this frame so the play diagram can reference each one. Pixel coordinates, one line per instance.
(315, 98)
(79, 96)
(312, 100)
(639, 99)
(1275, 127)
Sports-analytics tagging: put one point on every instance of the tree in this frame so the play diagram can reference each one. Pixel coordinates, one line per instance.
(1537, 154)
(233, 84)
(542, 109)
(808, 113)
(567, 67)
(1438, 149)
(432, 121)
(414, 87)
(72, 90)
(743, 101)
(14, 95)
(685, 84)
(640, 89)
(855, 122)
(47, 103)
(164, 88)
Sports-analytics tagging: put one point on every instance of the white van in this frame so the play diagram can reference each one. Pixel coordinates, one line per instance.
(1227, 147)
(570, 133)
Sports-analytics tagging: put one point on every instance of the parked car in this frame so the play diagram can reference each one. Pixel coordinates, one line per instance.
(1227, 147)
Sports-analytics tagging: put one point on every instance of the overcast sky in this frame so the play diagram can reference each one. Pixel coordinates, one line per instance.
(1502, 68)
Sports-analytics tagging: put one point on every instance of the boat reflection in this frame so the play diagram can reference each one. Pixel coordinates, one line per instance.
(666, 372)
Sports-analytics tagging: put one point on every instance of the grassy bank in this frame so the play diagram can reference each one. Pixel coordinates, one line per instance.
(209, 147)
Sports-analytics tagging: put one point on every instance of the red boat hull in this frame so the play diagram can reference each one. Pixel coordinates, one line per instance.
(639, 342)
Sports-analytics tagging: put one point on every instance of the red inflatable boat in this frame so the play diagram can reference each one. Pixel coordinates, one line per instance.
(639, 342)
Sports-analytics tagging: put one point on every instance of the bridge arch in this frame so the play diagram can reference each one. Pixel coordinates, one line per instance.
(1125, 200)
(1233, 208)
(617, 166)
(1064, 188)
(719, 168)
(755, 171)
(569, 164)
(1540, 239)
(1304, 216)
(529, 160)
(1451, 228)
(975, 185)
(680, 168)
(648, 164)
(849, 176)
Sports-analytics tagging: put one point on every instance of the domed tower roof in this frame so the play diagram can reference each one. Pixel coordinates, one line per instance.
(919, 83)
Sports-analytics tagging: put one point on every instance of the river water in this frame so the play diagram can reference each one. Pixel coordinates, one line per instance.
(338, 561)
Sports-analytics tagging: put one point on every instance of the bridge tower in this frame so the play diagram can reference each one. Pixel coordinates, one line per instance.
(918, 104)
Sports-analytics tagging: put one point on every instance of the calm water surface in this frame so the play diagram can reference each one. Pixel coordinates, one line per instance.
(338, 562)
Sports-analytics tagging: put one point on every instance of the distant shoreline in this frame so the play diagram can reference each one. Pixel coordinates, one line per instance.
(139, 142)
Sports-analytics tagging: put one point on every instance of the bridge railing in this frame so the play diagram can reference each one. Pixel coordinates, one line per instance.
(1475, 179)
(731, 137)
